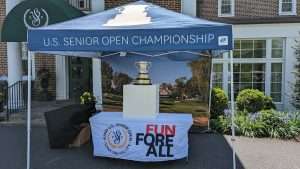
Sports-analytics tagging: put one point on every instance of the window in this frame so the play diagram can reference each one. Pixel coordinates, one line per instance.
(84, 5)
(248, 76)
(258, 64)
(277, 48)
(249, 49)
(217, 80)
(225, 8)
(287, 7)
(276, 81)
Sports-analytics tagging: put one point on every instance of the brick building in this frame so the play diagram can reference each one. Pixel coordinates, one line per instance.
(264, 30)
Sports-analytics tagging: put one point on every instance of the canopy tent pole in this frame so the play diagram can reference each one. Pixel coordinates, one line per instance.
(232, 110)
(210, 92)
(28, 107)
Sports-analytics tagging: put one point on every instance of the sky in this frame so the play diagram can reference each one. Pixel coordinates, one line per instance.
(163, 69)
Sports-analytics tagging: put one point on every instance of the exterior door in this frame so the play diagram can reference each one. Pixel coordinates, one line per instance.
(80, 77)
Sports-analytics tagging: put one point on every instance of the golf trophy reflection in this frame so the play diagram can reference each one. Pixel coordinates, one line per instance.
(143, 76)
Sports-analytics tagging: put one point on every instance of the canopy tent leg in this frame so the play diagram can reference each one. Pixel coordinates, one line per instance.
(232, 110)
(210, 93)
(28, 108)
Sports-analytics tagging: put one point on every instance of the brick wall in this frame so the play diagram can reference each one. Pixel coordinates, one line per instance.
(170, 4)
(243, 8)
(40, 60)
(3, 58)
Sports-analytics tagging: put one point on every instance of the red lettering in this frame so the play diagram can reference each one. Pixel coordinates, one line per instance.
(171, 131)
(161, 129)
(149, 128)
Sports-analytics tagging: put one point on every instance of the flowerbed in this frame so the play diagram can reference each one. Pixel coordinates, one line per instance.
(266, 123)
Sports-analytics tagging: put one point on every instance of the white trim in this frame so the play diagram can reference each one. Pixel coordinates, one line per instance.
(33, 70)
(232, 9)
(97, 5)
(62, 66)
(189, 7)
(294, 8)
(97, 83)
(268, 67)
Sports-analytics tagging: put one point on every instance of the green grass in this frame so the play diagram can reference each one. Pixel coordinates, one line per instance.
(196, 108)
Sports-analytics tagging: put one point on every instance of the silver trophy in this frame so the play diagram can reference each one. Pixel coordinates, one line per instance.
(143, 76)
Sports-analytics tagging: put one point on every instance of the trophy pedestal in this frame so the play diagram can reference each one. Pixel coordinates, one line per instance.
(140, 101)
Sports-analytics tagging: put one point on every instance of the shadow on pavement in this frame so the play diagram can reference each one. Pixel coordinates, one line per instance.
(207, 151)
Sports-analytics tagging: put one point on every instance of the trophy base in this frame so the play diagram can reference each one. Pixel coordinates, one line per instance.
(142, 82)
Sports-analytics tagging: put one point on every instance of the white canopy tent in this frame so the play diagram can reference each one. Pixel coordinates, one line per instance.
(139, 28)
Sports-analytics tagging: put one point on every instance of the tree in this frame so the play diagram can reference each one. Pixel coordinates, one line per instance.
(119, 80)
(180, 87)
(200, 77)
(107, 76)
(296, 93)
(191, 88)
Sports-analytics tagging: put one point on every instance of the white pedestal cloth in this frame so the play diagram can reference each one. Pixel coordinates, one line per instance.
(161, 139)
(140, 101)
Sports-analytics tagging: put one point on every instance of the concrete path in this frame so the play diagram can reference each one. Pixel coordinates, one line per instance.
(207, 151)
(268, 153)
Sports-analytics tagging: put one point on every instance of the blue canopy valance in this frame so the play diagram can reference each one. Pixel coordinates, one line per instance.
(138, 26)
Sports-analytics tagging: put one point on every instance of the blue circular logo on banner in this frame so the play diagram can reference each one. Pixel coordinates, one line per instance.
(117, 138)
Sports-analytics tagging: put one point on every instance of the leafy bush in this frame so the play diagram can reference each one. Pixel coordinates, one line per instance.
(268, 123)
(268, 103)
(87, 98)
(247, 125)
(250, 100)
(219, 103)
(222, 124)
(279, 125)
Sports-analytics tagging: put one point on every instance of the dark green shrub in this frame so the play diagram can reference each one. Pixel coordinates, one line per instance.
(279, 125)
(249, 126)
(250, 100)
(268, 103)
(219, 102)
(267, 123)
(222, 124)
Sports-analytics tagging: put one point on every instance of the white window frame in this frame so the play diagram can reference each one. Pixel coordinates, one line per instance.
(225, 60)
(220, 14)
(294, 8)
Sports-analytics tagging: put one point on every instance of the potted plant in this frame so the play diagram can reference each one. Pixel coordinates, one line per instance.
(88, 99)
(1, 102)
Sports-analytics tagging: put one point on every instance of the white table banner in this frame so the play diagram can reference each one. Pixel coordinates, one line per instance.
(161, 139)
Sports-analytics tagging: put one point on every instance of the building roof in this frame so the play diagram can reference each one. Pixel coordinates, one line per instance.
(258, 20)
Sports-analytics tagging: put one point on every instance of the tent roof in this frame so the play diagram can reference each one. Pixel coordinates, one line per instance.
(136, 15)
(138, 26)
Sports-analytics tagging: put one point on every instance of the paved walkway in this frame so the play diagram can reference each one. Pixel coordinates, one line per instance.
(37, 112)
(207, 151)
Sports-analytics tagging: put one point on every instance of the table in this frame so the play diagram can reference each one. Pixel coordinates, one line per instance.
(161, 139)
